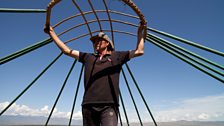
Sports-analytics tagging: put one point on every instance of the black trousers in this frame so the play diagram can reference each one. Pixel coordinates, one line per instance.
(99, 115)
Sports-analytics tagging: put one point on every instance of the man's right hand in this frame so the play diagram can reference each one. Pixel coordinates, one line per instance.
(47, 28)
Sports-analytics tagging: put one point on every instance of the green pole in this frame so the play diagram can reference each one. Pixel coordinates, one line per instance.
(123, 106)
(10, 10)
(173, 48)
(76, 94)
(133, 100)
(60, 92)
(140, 92)
(187, 42)
(184, 59)
(7, 107)
(189, 52)
(25, 51)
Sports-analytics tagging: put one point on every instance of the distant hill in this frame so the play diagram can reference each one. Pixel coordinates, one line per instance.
(38, 121)
(34, 120)
(184, 123)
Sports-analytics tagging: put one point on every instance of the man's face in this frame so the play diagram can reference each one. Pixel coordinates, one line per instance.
(100, 44)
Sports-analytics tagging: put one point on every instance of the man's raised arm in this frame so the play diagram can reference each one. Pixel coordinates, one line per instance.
(139, 51)
(63, 47)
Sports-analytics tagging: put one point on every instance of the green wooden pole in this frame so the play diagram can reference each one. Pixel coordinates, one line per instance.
(25, 51)
(76, 95)
(184, 59)
(187, 42)
(175, 49)
(140, 92)
(60, 92)
(7, 107)
(188, 52)
(10, 10)
(133, 100)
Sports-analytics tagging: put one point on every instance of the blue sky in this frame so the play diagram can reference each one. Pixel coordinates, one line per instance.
(173, 89)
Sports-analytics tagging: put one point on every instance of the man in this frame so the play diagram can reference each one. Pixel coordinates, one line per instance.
(101, 76)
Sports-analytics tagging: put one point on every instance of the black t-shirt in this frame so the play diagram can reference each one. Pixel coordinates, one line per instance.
(101, 77)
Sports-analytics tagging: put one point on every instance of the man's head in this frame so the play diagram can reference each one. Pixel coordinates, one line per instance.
(102, 41)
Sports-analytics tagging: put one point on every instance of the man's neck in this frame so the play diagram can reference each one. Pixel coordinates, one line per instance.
(104, 52)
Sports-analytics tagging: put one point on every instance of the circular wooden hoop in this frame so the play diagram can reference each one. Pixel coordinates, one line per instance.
(130, 3)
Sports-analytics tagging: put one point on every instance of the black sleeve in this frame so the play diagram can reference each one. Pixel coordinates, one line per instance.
(123, 56)
(82, 57)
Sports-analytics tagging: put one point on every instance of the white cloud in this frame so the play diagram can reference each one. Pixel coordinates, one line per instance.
(203, 116)
(24, 110)
(209, 108)
(45, 109)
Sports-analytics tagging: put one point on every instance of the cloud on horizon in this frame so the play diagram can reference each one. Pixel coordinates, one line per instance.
(209, 108)
(24, 110)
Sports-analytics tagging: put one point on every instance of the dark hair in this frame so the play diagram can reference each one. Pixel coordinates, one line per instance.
(109, 47)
